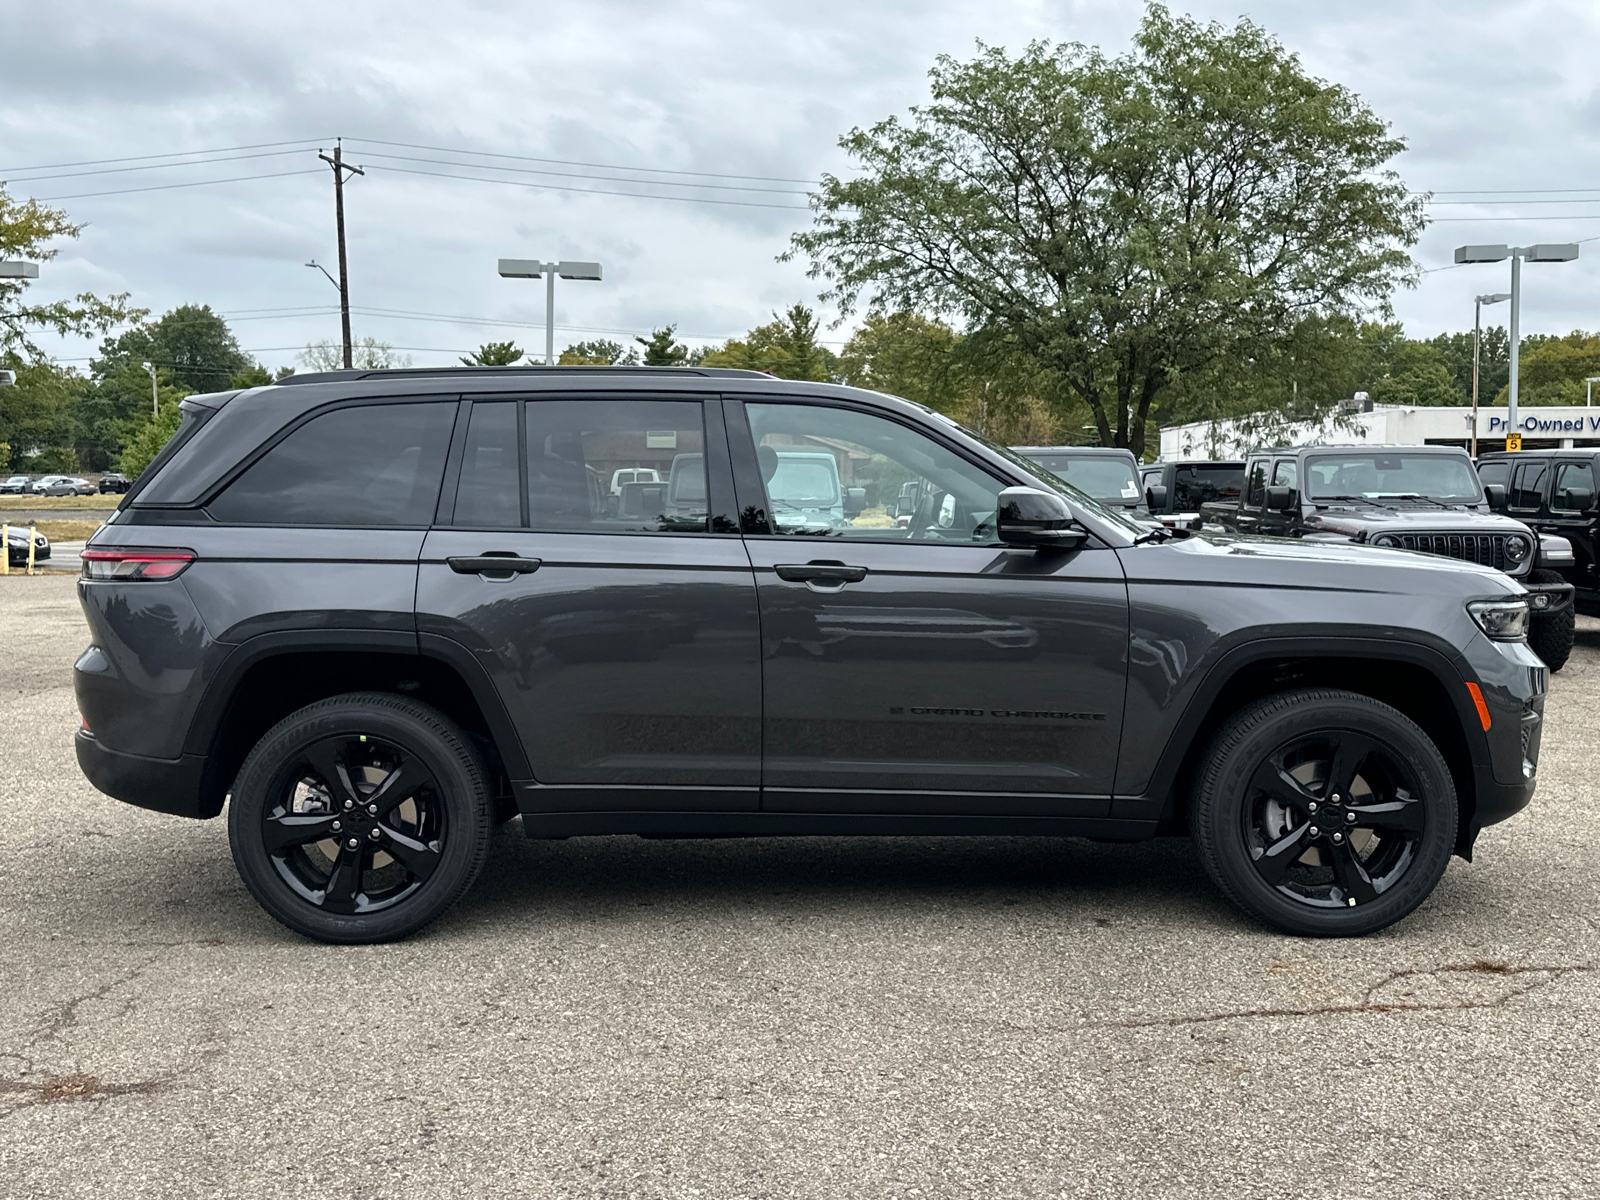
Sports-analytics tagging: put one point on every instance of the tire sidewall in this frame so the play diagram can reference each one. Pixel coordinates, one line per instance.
(1239, 749)
(416, 729)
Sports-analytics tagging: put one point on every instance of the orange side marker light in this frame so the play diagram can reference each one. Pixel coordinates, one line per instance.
(1483, 709)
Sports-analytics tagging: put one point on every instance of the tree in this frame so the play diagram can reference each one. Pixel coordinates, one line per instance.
(1552, 370)
(598, 353)
(150, 434)
(25, 227)
(255, 375)
(36, 416)
(191, 343)
(661, 351)
(786, 346)
(906, 354)
(1123, 221)
(367, 354)
(493, 354)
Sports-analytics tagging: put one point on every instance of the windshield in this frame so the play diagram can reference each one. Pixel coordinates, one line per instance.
(803, 483)
(1373, 475)
(1103, 477)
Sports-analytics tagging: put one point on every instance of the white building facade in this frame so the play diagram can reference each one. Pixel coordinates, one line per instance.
(1393, 425)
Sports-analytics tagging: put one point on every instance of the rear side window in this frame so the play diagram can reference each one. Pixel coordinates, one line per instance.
(1194, 486)
(369, 465)
(489, 495)
(617, 466)
(1528, 491)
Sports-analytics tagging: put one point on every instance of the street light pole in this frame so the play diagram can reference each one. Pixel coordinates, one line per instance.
(1544, 252)
(1477, 333)
(1588, 390)
(532, 268)
(155, 394)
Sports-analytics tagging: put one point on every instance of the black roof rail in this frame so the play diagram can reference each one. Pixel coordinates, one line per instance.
(534, 371)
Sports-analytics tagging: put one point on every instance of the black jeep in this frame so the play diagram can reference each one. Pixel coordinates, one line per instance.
(1423, 498)
(1177, 491)
(1554, 491)
(373, 612)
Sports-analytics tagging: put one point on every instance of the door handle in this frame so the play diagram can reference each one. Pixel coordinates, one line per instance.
(483, 564)
(820, 572)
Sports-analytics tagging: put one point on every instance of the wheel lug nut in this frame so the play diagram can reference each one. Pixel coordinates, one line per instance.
(1338, 837)
(373, 809)
(1351, 817)
(349, 803)
(1315, 831)
(353, 843)
(1336, 797)
(373, 834)
(338, 825)
(1312, 806)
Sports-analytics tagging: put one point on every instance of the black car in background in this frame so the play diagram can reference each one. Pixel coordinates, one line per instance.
(372, 613)
(1175, 491)
(1557, 492)
(1423, 498)
(114, 481)
(1106, 473)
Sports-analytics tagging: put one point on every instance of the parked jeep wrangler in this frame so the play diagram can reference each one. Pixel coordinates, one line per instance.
(374, 612)
(1177, 491)
(1555, 492)
(1424, 498)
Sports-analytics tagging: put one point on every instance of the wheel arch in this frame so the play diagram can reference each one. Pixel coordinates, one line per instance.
(266, 678)
(1422, 682)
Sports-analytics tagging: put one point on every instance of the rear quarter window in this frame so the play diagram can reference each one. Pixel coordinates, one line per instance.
(364, 466)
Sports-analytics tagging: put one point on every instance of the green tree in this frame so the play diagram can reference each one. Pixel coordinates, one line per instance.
(1494, 361)
(366, 353)
(786, 346)
(151, 433)
(37, 420)
(1124, 220)
(493, 354)
(598, 353)
(907, 354)
(191, 343)
(25, 228)
(661, 351)
(254, 375)
(1552, 370)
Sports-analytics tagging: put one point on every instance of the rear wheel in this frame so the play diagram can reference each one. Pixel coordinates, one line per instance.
(360, 818)
(1325, 813)
(1550, 635)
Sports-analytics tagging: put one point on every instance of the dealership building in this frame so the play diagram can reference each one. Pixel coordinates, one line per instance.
(1361, 422)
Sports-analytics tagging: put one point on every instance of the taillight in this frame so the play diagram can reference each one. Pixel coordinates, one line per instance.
(130, 563)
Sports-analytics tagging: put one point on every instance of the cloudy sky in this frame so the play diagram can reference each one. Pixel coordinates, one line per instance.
(1498, 103)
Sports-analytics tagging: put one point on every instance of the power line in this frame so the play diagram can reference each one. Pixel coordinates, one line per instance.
(205, 162)
(556, 187)
(170, 154)
(722, 187)
(167, 187)
(1542, 217)
(1503, 203)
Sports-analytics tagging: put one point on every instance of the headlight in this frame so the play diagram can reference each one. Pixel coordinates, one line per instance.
(1386, 539)
(1517, 548)
(1503, 620)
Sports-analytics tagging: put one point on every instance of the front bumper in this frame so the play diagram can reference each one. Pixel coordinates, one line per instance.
(168, 785)
(1546, 598)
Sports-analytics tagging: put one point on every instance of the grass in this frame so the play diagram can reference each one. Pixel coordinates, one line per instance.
(40, 503)
(67, 531)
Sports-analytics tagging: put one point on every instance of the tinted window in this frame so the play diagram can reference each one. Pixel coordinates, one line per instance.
(1286, 474)
(1194, 486)
(616, 466)
(834, 472)
(1571, 476)
(1495, 472)
(488, 496)
(368, 465)
(1528, 490)
(1100, 475)
(1258, 484)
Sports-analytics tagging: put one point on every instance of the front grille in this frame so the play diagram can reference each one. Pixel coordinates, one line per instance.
(1489, 549)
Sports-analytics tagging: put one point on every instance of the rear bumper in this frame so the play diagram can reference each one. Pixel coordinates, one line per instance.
(168, 785)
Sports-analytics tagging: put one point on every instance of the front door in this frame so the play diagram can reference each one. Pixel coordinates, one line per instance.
(616, 614)
(910, 662)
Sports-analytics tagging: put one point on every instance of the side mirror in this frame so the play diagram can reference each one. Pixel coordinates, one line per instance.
(1495, 494)
(1027, 516)
(1577, 498)
(1156, 496)
(855, 499)
(1280, 499)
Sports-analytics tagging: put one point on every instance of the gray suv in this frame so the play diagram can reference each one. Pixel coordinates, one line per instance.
(376, 612)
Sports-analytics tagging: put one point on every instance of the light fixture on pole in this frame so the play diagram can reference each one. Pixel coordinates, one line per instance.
(155, 394)
(19, 270)
(532, 268)
(1544, 252)
(1477, 327)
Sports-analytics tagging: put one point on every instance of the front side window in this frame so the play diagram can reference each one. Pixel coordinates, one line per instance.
(1571, 476)
(835, 472)
(1528, 490)
(370, 465)
(616, 466)
(1286, 474)
(1258, 484)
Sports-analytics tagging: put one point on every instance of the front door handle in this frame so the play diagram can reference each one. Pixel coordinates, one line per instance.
(504, 563)
(820, 572)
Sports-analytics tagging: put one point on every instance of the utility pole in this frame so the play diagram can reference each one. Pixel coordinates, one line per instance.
(339, 168)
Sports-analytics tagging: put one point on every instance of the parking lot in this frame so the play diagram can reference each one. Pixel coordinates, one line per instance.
(785, 1017)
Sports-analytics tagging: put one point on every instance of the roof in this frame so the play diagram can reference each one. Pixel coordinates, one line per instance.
(519, 372)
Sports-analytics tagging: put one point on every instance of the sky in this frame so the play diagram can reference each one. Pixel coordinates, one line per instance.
(1498, 103)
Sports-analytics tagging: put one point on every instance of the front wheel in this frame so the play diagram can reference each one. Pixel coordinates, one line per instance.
(1325, 813)
(1551, 634)
(360, 818)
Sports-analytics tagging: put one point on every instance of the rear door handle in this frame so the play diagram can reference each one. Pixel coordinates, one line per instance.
(484, 564)
(820, 572)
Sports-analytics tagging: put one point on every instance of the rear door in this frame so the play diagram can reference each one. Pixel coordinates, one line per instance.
(619, 629)
(921, 667)
(1569, 516)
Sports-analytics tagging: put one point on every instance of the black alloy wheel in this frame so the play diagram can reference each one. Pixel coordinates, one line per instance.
(1324, 812)
(360, 818)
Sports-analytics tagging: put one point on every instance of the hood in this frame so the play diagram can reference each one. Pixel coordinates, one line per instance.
(1366, 522)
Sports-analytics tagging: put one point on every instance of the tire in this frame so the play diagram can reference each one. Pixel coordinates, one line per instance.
(360, 818)
(1276, 782)
(1550, 635)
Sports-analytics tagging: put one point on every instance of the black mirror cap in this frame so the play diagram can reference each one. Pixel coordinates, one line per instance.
(1280, 499)
(1156, 496)
(1027, 516)
(1577, 498)
(1495, 494)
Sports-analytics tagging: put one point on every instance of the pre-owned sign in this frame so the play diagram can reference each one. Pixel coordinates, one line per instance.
(1542, 422)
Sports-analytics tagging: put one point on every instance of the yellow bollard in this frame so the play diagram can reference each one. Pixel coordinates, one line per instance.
(5, 538)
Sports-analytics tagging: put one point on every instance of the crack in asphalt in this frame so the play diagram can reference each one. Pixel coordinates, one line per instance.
(1368, 1004)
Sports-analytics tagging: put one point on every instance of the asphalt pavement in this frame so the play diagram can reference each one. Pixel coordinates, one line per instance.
(857, 1017)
